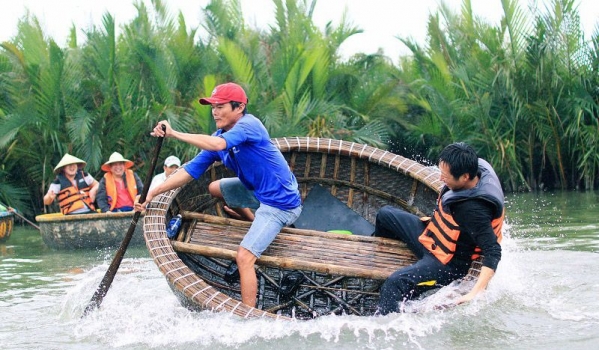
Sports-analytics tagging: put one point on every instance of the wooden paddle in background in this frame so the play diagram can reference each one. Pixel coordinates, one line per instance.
(118, 257)
(22, 217)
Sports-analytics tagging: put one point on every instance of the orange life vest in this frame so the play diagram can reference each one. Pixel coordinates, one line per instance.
(71, 197)
(111, 190)
(441, 234)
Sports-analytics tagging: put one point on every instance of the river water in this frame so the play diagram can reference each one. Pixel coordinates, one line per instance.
(544, 296)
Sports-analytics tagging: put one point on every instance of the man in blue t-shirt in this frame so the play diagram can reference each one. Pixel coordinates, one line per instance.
(264, 181)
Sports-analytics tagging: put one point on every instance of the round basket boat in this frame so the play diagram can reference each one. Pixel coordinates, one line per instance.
(6, 225)
(87, 231)
(306, 272)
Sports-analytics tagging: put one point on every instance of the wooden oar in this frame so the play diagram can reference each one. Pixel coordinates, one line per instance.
(118, 257)
(24, 218)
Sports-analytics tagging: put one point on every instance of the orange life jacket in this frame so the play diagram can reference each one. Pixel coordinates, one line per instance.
(71, 197)
(441, 234)
(111, 190)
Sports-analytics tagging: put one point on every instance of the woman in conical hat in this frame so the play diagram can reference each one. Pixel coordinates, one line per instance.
(116, 157)
(120, 187)
(68, 159)
(75, 189)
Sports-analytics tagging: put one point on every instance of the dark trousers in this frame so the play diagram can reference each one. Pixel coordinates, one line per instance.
(427, 273)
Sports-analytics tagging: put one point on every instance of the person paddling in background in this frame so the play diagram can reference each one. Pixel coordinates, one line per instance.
(120, 187)
(6, 209)
(264, 181)
(75, 189)
(466, 223)
(171, 163)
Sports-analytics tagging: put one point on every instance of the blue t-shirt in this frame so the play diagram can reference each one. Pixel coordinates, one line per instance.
(257, 162)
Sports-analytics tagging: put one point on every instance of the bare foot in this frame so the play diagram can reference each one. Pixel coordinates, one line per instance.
(244, 214)
(232, 213)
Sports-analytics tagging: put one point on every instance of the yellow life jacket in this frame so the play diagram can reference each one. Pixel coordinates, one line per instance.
(111, 190)
(71, 197)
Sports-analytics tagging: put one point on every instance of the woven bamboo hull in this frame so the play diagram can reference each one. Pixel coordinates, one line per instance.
(87, 231)
(6, 224)
(341, 274)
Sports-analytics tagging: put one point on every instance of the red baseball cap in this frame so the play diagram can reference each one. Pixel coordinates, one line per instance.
(225, 93)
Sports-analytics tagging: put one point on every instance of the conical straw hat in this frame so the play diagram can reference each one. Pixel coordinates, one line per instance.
(66, 160)
(115, 158)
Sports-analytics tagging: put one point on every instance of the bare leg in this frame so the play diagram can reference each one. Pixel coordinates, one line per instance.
(247, 276)
(236, 213)
(240, 213)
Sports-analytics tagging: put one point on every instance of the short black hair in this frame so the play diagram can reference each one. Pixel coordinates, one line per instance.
(461, 159)
(235, 104)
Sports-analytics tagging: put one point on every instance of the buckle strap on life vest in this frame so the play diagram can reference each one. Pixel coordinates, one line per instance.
(71, 199)
(73, 196)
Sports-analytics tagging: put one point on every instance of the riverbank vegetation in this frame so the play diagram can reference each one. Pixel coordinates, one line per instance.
(523, 92)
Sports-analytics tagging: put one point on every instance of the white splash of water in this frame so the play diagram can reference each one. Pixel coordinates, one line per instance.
(140, 311)
(140, 308)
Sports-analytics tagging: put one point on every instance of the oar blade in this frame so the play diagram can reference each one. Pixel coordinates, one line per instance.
(100, 293)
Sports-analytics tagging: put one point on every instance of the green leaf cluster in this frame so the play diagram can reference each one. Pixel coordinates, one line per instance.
(523, 93)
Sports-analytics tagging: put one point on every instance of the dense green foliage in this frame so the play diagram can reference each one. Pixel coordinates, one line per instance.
(523, 93)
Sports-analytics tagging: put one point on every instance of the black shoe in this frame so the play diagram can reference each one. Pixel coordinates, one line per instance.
(291, 283)
(232, 274)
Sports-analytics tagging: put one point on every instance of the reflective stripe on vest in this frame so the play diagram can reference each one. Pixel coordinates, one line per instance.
(111, 190)
(72, 198)
(441, 235)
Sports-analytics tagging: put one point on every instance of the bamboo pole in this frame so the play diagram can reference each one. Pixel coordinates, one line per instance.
(286, 263)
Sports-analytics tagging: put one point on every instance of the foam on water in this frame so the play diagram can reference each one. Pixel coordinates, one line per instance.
(141, 310)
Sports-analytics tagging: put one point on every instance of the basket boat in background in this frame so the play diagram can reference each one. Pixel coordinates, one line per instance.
(87, 231)
(7, 220)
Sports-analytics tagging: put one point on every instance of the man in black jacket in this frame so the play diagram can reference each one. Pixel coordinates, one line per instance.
(466, 223)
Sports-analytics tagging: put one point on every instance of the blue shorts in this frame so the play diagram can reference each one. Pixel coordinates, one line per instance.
(236, 195)
(268, 220)
(267, 224)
